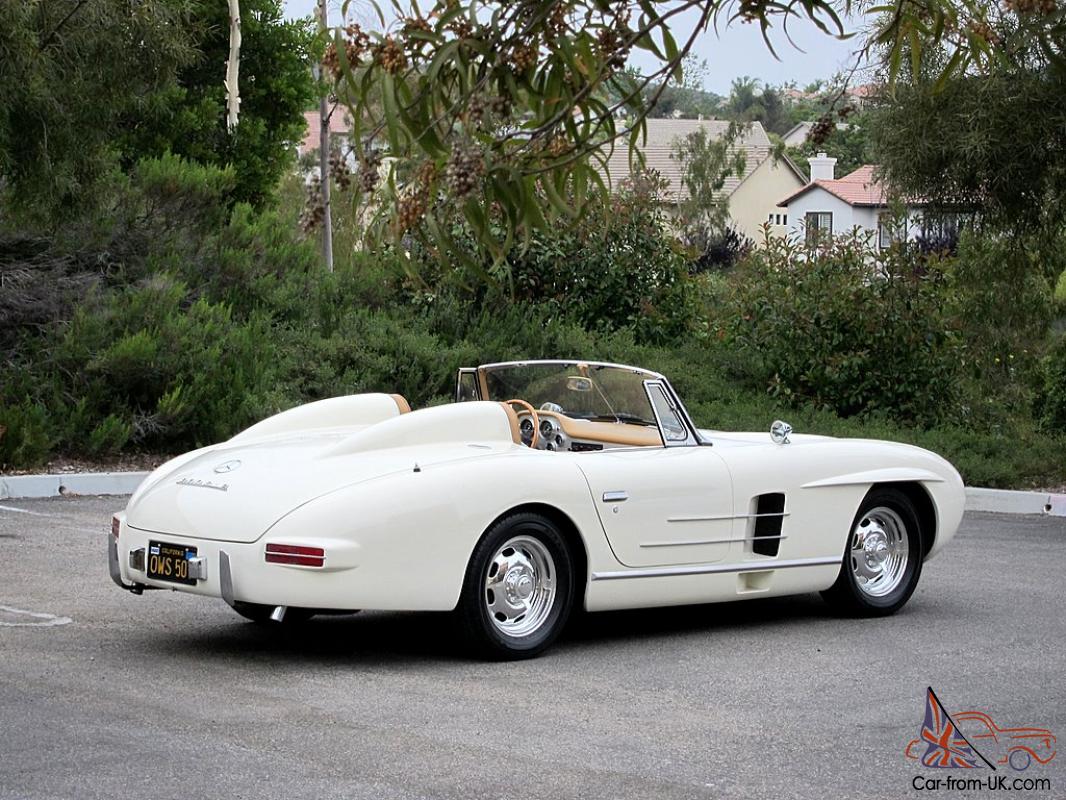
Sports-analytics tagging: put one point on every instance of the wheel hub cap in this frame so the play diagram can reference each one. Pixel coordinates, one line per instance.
(520, 586)
(879, 552)
(876, 548)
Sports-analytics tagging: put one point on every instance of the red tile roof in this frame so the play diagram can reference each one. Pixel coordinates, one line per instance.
(858, 188)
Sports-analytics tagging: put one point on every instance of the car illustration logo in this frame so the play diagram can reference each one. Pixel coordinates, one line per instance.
(952, 741)
(228, 466)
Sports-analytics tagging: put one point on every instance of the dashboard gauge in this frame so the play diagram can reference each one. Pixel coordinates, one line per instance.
(546, 428)
(527, 426)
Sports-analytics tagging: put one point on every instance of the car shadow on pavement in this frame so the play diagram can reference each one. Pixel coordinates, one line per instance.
(370, 638)
(707, 618)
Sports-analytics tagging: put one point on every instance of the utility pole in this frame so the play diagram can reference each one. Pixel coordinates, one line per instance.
(323, 154)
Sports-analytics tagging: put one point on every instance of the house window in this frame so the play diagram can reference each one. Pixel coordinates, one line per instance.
(819, 226)
(770, 219)
(890, 229)
(784, 219)
(944, 225)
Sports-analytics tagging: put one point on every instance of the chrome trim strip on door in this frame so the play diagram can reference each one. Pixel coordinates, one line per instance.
(711, 569)
(615, 497)
(713, 541)
(718, 518)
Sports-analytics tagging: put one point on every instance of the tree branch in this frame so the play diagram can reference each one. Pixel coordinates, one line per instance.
(55, 31)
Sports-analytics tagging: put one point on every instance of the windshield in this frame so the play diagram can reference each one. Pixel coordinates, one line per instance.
(576, 389)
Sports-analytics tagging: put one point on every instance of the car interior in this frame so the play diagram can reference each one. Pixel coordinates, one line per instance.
(568, 406)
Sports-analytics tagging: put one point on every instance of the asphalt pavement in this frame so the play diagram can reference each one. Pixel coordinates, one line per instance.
(105, 694)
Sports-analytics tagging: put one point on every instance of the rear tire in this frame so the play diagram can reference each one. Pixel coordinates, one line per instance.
(882, 557)
(518, 589)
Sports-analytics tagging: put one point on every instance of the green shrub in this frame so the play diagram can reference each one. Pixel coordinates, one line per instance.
(110, 436)
(621, 268)
(199, 320)
(845, 327)
(1051, 397)
(147, 366)
(999, 299)
(369, 351)
(26, 438)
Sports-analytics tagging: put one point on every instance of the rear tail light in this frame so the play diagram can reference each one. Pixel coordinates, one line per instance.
(294, 554)
(116, 523)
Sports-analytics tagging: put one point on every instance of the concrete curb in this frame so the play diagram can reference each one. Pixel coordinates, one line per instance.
(1003, 501)
(15, 487)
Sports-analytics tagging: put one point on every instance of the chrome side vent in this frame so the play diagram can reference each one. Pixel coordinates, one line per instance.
(766, 535)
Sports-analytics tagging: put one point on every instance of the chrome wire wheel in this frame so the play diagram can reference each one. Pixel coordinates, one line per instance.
(879, 552)
(520, 586)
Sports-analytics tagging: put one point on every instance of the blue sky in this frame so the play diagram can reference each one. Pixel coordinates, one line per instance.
(736, 51)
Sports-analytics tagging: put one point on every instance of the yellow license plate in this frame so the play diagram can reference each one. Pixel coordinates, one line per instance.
(170, 562)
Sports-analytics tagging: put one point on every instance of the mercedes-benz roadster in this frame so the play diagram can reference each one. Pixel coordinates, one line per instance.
(546, 485)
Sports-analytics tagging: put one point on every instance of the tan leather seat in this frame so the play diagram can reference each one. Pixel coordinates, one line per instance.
(401, 403)
(512, 417)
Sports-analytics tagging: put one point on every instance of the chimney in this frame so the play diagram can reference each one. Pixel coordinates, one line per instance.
(823, 168)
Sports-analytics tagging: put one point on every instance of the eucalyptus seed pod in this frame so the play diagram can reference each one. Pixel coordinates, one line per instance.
(465, 170)
(524, 57)
(500, 106)
(338, 170)
(390, 54)
(556, 24)
(821, 130)
(410, 209)
(461, 27)
(331, 61)
(369, 172)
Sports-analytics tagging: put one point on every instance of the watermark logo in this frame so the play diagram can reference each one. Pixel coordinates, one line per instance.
(973, 740)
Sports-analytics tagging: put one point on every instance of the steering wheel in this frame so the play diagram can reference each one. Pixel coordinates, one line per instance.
(532, 413)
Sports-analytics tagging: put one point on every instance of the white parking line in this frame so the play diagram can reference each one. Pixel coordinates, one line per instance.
(79, 528)
(46, 620)
(25, 511)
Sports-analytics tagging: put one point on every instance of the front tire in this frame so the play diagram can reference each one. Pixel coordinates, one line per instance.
(882, 557)
(518, 589)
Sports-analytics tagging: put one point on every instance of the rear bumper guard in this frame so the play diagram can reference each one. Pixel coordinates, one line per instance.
(225, 578)
(115, 569)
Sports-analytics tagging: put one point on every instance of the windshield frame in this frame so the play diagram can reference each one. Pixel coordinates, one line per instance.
(647, 376)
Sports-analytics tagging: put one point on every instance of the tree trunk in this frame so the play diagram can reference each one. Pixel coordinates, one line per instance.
(233, 65)
(323, 156)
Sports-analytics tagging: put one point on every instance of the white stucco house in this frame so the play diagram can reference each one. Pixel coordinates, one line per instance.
(827, 205)
(752, 196)
(796, 136)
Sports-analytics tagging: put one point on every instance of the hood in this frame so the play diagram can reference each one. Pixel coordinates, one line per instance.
(237, 490)
(748, 439)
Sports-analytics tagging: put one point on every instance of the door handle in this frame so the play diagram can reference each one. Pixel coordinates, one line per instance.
(615, 497)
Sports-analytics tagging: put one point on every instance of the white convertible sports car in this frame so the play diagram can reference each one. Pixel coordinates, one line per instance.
(547, 484)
